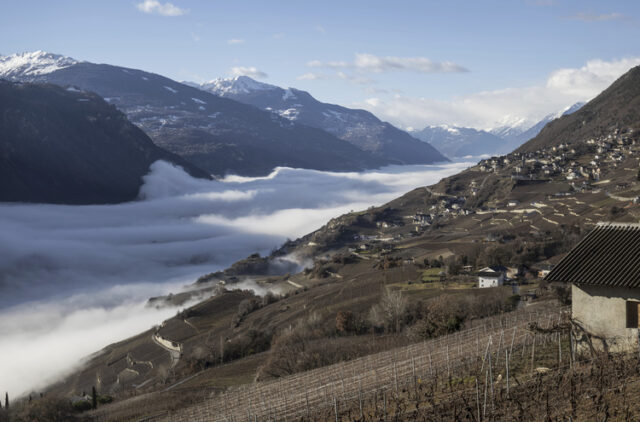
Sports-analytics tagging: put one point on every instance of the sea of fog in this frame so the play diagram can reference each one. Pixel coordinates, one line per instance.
(74, 279)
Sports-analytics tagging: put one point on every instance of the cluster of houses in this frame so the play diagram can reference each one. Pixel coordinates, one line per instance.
(561, 161)
(446, 207)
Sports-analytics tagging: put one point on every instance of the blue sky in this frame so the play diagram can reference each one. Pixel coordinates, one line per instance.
(474, 63)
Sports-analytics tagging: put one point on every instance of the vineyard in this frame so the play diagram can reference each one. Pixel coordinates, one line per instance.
(375, 383)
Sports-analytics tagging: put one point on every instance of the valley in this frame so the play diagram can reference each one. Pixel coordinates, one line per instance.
(337, 211)
(380, 279)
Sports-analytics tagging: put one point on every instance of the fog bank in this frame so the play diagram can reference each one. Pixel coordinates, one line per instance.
(74, 279)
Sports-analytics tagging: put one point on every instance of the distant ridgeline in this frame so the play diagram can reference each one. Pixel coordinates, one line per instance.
(221, 135)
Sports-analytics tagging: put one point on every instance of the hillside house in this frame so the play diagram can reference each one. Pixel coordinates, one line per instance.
(544, 270)
(603, 270)
(513, 203)
(491, 276)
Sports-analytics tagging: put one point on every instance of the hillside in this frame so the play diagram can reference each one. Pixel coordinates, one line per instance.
(615, 110)
(69, 146)
(217, 134)
(358, 127)
(381, 278)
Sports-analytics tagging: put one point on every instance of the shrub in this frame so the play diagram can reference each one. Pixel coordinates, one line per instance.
(345, 322)
(82, 405)
(104, 399)
(50, 409)
(245, 308)
(249, 343)
(562, 293)
(269, 298)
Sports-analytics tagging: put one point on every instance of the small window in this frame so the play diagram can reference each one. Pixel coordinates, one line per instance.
(632, 314)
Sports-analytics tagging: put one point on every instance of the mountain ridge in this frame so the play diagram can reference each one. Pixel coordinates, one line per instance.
(459, 142)
(218, 134)
(68, 146)
(356, 126)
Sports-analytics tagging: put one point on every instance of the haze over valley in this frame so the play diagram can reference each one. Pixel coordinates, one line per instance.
(96, 266)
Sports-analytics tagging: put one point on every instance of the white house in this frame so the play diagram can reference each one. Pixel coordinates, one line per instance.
(491, 276)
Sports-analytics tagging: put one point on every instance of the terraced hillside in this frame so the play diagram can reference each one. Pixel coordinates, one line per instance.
(379, 279)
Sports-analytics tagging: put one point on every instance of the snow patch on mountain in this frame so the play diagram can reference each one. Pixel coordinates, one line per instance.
(288, 95)
(233, 86)
(510, 126)
(290, 113)
(32, 64)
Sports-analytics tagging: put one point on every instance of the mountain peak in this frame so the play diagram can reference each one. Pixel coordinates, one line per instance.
(33, 63)
(236, 85)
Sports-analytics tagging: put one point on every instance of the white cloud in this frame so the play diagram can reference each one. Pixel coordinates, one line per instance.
(164, 9)
(235, 41)
(250, 71)
(321, 29)
(358, 80)
(369, 63)
(335, 64)
(311, 76)
(589, 80)
(595, 17)
(487, 109)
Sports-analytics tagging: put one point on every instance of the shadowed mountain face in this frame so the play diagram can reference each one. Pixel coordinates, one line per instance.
(616, 108)
(358, 127)
(63, 146)
(217, 134)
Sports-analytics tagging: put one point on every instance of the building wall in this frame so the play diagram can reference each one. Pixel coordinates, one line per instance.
(602, 311)
(490, 281)
(168, 343)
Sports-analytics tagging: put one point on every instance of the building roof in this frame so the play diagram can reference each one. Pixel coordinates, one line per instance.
(608, 256)
(494, 271)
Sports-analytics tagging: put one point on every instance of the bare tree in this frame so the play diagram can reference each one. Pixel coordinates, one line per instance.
(393, 306)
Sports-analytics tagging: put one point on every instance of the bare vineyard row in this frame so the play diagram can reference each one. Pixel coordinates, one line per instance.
(348, 384)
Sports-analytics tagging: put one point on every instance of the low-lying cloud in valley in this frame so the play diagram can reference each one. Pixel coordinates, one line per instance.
(76, 278)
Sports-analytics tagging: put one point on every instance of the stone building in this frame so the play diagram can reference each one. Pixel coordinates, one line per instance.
(604, 272)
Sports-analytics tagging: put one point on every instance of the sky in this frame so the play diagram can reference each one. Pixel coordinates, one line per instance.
(414, 63)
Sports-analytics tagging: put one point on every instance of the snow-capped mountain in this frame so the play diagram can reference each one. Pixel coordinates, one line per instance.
(32, 64)
(217, 134)
(511, 132)
(535, 129)
(457, 142)
(227, 87)
(358, 127)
